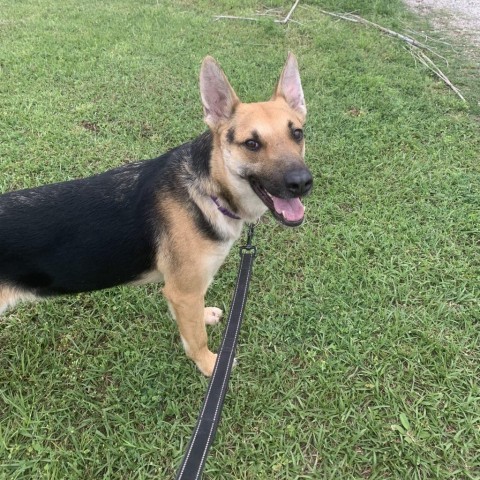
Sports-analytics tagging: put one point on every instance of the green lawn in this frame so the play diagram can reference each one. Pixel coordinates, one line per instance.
(359, 355)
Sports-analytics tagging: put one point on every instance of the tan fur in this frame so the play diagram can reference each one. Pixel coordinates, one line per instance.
(189, 262)
(269, 119)
(10, 296)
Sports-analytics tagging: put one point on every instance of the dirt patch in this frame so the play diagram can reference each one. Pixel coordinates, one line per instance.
(458, 18)
(93, 127)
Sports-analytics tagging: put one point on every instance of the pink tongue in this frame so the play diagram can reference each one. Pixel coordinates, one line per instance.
(292, 209)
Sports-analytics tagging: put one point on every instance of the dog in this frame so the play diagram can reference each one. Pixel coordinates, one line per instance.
(172, 219)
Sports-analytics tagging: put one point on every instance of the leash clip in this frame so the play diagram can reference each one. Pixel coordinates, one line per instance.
(252, 249)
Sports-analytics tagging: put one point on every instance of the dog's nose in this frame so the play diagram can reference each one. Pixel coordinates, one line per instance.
(298, 181)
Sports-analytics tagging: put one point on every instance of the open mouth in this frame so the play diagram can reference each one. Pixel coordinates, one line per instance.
(289, 211)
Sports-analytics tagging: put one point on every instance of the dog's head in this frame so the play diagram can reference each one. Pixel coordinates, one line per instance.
(259, 147)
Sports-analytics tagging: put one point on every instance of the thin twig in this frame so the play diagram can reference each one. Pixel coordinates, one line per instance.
(270, 11)
(392, 33)
(232, 17)
(416, 48)
(351, 17)
(265, 14)
(427, 62)
(287, 18)
(337, 15)
(252, 19)
(428, 38)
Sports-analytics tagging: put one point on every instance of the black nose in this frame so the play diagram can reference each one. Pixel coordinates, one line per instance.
(298, 181)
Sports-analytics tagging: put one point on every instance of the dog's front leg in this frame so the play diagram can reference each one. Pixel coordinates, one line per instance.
(188, 309)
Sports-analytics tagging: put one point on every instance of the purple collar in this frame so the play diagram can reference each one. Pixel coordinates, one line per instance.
(224, 210)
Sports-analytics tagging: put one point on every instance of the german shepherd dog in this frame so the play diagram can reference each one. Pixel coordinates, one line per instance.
(171, 219)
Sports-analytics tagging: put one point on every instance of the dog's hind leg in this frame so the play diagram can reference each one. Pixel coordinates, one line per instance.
(9, 296)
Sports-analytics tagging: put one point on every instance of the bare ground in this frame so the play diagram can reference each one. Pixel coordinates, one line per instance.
(456, 18)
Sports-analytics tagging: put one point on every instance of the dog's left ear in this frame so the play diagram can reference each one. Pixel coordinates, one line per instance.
(218, 97)
(289, 86)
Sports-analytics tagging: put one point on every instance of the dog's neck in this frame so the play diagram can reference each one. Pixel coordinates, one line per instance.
(224, 210)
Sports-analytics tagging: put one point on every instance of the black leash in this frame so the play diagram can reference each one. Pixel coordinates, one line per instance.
(204, 433)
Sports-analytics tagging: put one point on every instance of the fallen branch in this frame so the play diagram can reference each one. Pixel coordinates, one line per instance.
(269, 11)
(287, 18)
(232, 17)
(357, 19)
(428, 38)
(266, 14)
(427, 62)
(416, 47)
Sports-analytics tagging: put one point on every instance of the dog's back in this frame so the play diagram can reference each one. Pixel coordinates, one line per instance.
(91, 233)
(50, 237)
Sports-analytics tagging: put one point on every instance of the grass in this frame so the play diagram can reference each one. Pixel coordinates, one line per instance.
(359, 355)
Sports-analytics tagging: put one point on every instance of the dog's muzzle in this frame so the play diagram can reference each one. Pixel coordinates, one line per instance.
(283, 198)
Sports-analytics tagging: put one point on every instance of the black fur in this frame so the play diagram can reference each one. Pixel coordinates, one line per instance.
(200, 152)
(100, 231)
(231, 135)
(204, 225)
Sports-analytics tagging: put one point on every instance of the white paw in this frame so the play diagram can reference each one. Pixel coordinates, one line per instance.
(212, 315)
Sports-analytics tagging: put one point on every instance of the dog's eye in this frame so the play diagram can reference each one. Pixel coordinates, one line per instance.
(252, 145)
(298, 134)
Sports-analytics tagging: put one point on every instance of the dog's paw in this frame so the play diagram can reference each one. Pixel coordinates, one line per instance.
(207, 364)
(212, 315)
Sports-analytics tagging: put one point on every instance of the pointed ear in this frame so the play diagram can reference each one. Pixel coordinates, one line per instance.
(218, 98)
(289, 86)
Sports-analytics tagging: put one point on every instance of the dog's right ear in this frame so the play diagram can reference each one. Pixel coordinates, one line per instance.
(290, 86)
(218, 97)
